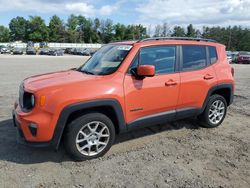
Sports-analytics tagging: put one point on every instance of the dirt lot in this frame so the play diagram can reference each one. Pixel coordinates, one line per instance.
(178, 154)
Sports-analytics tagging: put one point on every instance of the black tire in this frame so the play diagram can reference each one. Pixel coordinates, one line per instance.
(204, 117)
(76, 125)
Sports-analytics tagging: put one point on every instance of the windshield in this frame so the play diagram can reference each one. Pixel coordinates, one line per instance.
(106, 60)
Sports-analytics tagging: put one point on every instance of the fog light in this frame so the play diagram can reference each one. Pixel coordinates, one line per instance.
(33, 129)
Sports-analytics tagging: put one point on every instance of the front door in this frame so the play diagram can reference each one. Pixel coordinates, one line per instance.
(153, 96)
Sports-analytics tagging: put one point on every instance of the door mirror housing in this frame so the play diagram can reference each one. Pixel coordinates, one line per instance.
(146, 70)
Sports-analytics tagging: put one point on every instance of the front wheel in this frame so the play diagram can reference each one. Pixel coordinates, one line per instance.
(89, 136)
(214, 112)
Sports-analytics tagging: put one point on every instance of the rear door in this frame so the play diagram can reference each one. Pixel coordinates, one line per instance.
(197, 76)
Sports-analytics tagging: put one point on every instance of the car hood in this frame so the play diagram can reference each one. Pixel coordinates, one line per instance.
(39, 82)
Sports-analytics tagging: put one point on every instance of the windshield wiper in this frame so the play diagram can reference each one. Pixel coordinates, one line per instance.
(87, 72)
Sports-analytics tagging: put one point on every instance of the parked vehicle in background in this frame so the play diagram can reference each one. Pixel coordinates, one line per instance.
(17, 51)
(72, 51)
(43, 45)
(30, 44)
(31, 51)
(67, 50)
(229, 58)
(56, 52)
(235, 56)
(125, 85)
(83, 51)
(244, 57)
(44, 51)
(5, 50)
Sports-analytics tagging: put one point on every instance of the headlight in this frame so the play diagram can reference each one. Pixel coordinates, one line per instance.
(32, 100)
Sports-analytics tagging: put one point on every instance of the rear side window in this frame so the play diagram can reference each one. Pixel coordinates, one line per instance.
(212, 54)
(194, 57)
(162, 57)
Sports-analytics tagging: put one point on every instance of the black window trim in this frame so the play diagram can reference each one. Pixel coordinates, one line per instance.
(177, 59)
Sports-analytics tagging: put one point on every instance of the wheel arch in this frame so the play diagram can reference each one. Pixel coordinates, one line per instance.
(224, 89)
(109, 107)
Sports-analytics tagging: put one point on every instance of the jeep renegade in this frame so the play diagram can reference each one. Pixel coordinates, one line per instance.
(122, 86)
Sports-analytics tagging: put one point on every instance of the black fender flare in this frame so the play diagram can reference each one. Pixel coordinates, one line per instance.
(68, 110)
(217, 87)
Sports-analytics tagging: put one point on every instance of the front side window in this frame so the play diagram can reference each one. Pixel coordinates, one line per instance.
(162, 57)
(194, 57)
(106, 60)
(212, 54)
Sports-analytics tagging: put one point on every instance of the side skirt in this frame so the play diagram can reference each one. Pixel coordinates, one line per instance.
(163, 117)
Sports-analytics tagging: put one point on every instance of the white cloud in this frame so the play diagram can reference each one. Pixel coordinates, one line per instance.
(80, 8)
(206, 12)
(107, 9)
(67, 7)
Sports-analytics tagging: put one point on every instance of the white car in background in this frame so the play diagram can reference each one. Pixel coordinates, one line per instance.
(229, 57)
(5, 50)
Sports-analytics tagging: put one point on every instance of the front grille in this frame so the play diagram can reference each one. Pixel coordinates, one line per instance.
(25, 99)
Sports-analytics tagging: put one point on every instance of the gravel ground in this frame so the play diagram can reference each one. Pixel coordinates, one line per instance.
(178, 154)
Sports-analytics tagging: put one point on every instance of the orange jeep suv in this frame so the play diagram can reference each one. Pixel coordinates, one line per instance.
(125, 85)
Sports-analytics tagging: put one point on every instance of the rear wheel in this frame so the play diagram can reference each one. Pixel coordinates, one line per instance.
(89, 136)
(214, 112)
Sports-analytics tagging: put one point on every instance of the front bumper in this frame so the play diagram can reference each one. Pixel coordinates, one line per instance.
(21, 138)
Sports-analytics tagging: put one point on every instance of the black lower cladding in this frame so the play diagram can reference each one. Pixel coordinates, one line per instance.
(163, 117)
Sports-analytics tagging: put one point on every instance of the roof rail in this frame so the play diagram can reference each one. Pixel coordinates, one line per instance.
(177, 38)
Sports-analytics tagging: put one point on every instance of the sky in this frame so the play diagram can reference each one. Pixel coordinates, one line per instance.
(146, 12)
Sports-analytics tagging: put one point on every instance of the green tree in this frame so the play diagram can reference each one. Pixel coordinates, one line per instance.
(120, 32)
(18, 29)
(178, 32)
(56, 29)
(38, 30)
(72, 25)
(107, 30)
(86, 28)
(191, 32)
(96, 38)
(4, 34)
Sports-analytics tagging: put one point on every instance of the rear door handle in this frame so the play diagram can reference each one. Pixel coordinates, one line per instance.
(170, 83)
(208, 77)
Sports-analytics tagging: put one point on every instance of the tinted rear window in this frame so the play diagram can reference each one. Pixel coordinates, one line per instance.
(194, 57)
(212, 54)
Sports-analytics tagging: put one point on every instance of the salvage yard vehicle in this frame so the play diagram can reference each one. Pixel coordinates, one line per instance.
(5, 50)
(56, 52)
(125, 85)
(17, 51)
(31, 51)
(244, 57)
(83, 51)
(44, 51)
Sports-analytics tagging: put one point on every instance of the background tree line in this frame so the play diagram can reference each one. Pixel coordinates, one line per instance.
(79, 29)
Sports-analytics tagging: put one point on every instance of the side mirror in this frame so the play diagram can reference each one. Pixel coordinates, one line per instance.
(146, 71)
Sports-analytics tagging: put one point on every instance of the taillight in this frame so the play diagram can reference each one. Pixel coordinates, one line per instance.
(232, 71)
